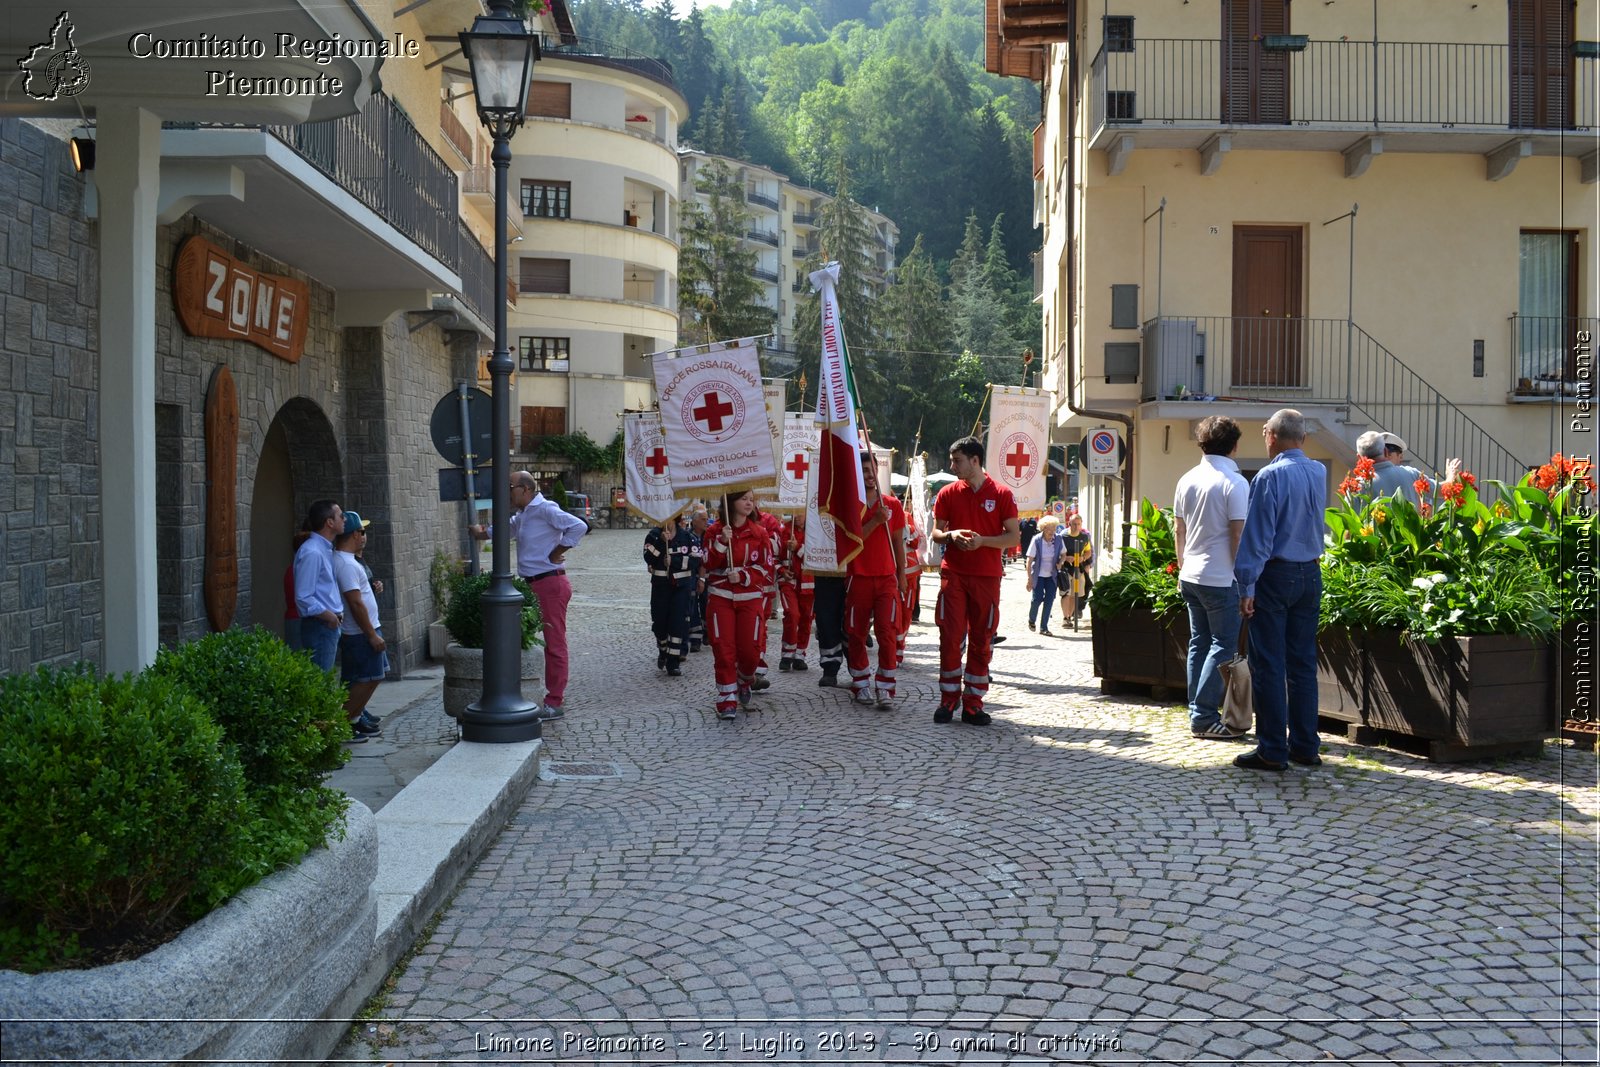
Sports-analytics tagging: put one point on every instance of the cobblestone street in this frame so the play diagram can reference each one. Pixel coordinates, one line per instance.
(1081, 882)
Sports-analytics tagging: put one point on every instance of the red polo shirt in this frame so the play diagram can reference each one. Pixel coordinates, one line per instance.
(877, 554)
(984, 511)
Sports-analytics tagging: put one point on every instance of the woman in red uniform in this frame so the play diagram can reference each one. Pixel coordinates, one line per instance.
(739, 567)
(796, 586)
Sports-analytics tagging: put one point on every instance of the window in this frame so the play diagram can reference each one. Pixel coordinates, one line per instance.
(546, 199)
(1122, 105)
(545, 275)
(550, 99)
(1119, 33)
(1547, 306)
(545, 353)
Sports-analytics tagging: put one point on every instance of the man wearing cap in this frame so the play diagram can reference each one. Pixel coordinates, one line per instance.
(316, 591)
(1389, 474)
(362, 656)
(543, 533)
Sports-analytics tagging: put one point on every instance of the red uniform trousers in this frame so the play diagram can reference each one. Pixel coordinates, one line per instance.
(968, 614)
(872, 600)
(733, 628)
(796, 620)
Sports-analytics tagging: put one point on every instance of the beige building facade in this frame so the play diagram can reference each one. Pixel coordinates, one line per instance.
(1384, 217)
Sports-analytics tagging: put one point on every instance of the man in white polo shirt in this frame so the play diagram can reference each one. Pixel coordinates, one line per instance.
(1209, 508)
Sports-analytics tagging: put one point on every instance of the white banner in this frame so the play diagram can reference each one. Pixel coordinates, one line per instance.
(917, 493)
(800, 436)
(646, 472)
(714, 418)
(776, 391)
(883, 461)
(822, 545)
(1018, 444)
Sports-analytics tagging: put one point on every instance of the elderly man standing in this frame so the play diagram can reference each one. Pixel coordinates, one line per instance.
(544, 533)
(1279, 573)
(316, 590)
(1392, 476)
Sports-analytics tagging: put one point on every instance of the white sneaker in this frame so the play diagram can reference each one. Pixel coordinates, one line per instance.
(884, 702)
(862, 696)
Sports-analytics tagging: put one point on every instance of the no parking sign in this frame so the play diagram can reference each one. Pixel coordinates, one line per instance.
(1104, 452)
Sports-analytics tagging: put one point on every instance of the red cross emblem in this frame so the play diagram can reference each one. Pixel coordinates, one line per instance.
(1019, 460)
(657, 461)
(797, 467)
(712, 411)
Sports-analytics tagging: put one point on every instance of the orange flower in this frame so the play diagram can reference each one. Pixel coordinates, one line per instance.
(1426, 509)
(1172, 568)
(1452, 492)
(1364, 468)
(1350, 486)
(1468, 478)
(1547, 476)
(1422, 486)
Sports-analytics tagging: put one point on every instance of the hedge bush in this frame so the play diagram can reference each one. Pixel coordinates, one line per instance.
(463, 618)
(285, 719)
(122, 814)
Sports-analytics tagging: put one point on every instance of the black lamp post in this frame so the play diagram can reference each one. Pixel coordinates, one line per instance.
(501, 52)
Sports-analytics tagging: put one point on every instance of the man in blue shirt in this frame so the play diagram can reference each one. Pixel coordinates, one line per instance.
(1280, 588)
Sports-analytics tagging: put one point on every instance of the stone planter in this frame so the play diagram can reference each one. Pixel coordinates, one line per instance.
(1467, 697)
(463, 676)
(1136, 648)
(266, 977)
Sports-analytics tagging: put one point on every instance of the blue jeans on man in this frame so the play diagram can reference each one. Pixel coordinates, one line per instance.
(320, 641)
(1044, 595)
(1213, 641)
(1283, 659)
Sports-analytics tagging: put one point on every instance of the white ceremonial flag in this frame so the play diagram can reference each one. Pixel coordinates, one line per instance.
(776, 391)
(917, 493)
(883, 463)
(800, 437)
(1018, 444)
(822, 535)
(714, 418)
(646, 472)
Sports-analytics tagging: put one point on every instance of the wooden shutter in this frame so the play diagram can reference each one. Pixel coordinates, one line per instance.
(550, 99)
(1255, 86)
(545, 275)
(1541, 34)
(541, 422)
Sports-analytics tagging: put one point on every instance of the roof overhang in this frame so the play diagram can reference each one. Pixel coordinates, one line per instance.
(118, 60)
(1004, 55)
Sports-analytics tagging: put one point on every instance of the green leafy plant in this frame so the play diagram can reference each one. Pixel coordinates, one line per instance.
(585, 454)
(464, 616)
(123, 813)
(440, 572)
(556, 493)
(284, 718)
(1149, 574)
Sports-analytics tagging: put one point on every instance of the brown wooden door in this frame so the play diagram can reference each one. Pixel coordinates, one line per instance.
(1266, 305)
(1255, 82)
(1541, 63)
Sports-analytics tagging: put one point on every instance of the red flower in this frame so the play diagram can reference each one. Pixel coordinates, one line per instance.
(1547, 476)
(1452, 491)
(1468, 478)
(1350, 486)
(1364, 468)
(1426, 509)
(1172, 568)
(1422, 486)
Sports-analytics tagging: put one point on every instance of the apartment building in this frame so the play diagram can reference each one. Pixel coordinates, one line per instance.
(244, 301)
(782, 232)
(1383, 215)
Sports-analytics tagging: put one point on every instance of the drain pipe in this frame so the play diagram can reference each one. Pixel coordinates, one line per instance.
(1070, 137)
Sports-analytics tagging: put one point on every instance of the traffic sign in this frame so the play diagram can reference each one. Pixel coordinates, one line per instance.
(448, 437)
(1105, 452)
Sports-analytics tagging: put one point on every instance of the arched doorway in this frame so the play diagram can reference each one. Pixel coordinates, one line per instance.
(298, 463)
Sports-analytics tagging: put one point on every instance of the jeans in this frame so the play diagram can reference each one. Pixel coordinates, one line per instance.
(1213, 641)
(1283, 659)
(1044, 595)
(320, 640)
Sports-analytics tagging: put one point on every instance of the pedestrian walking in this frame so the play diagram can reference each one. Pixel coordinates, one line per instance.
(874, 595)
(773, 525)
(1072, 574)
(975, 518)
(316, 590)
(1209, 508)
(363, 661)
(1280, 584)
(1044, 556)
(544, 533)
(796, 587)
(739, 565)
(669, 557)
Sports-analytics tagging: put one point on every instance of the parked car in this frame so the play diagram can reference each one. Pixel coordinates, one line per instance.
(578, 504)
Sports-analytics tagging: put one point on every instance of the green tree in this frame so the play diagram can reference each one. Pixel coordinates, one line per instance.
(915, 338)
(718, 295)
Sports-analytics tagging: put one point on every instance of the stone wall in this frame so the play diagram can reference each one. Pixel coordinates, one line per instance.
(50, 521)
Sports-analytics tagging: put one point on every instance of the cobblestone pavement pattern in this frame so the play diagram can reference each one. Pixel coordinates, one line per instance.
(1080, 882)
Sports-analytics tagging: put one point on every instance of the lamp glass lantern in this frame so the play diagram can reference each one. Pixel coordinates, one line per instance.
(500, 52)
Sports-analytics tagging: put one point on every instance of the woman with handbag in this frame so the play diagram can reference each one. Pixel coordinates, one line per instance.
(1072, 577)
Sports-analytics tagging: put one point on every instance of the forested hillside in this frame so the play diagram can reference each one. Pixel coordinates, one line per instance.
(886, 104)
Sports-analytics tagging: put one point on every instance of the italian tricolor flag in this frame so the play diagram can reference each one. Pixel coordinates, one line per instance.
(841, 496)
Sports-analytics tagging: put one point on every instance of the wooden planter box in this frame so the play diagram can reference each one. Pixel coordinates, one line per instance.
(1467, 697)
(1341, 674)
(1136, 648)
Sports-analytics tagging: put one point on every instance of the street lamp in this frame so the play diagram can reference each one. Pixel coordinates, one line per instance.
(501, 52)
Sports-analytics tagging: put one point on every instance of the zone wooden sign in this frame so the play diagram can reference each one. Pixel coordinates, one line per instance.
(218, 296)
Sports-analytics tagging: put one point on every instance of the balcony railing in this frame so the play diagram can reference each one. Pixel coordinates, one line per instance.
(603, 53)
(1315, 361)
(764, 236)
(761, 200)
(455, 131)
(765, 275)
(1544, 355)
(805, 218)
(1343, 84)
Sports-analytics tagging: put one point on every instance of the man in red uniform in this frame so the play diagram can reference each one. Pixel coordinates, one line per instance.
(795, 585)
(769, 596)
(877, 583)
(911, 591)
(974, 519)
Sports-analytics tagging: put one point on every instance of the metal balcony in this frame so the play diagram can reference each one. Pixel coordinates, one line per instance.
(761, 200)
(1544, 356)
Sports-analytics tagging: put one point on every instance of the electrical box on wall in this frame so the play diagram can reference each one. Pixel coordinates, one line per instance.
(1124, 307)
